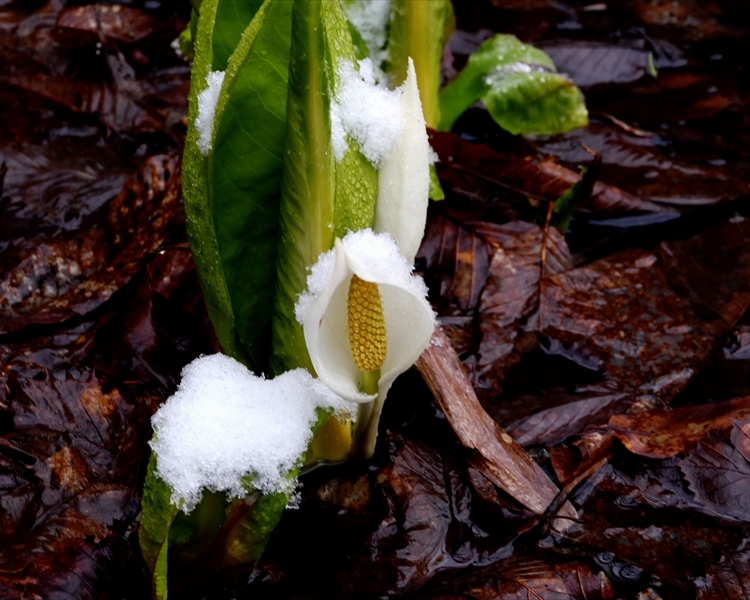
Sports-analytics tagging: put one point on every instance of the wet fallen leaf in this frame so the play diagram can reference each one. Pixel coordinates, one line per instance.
(513, 297)
(663, 433)
(384, 529)
(649, 167)
(478, 170)
(577, 417)
(101, 23)
(71, 448)
(570, 461)
(106, 84)
(595, 63)
(521, 578)
(719, 473)
(646, 529)
(727, 580)
(71, 274)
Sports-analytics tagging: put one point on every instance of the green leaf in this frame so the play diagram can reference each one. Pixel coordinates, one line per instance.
(410, 22)
(565, 205)
(232, 194)
(185, 41)
(232, 17)
(320, 198)
(251, 521)
(436, 190)
(157, 515)
(538, 102)
(245, 171)
(520, 88)
(198, 209)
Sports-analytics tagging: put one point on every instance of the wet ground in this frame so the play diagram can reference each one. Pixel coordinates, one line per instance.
(620, 360)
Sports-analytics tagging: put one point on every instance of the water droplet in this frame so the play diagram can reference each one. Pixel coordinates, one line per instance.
(627, 502)
(626, 572)
(605, 558)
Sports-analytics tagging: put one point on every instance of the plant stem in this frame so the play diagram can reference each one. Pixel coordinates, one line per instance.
(370, 381)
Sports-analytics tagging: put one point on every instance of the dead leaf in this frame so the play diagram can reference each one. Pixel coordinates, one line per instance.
(478, 171)
(523, 578)
(102, 23)
(71, 274)
(719, 473)
(727, 580)
(106, 85)
(663, 433)
(557, 423)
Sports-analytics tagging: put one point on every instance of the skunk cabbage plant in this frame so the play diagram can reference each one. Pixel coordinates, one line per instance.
(293, 153)
(306, 176)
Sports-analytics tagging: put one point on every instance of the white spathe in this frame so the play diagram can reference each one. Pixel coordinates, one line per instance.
(322, 312)
(404, 176)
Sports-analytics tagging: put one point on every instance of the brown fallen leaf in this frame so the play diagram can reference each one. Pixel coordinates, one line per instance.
(81, 25)
(107, 84)
(559, 422)
(505, 463)
(75, 410)
(513, 296)
(727, 580)
(525, 578)
(69, 275)
(371, 530)
(664, 432)
(718, 472)
(638, 521)
(476, 170)
(641, 166)
(571, 460)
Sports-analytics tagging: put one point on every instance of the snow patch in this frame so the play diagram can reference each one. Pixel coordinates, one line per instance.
(207, 101)
(371, 19)
(225, 427)
(367, 112)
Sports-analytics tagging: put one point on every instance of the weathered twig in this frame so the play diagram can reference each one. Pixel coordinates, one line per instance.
(504, 462)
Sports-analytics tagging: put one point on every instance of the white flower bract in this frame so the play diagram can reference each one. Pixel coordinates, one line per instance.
(322, 312)
(404, 176)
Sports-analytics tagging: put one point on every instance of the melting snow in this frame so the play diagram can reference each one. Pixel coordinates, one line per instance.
(371, 114)
(224, 424)
(371, 19)
(207, 101)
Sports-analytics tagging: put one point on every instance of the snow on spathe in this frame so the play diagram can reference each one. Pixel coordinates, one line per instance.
(371, 19)
(369, 113)
(224, 424)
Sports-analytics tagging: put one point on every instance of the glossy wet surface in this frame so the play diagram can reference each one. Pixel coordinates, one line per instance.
(642, 305)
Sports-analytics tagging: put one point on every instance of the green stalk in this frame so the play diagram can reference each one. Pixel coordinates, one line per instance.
(420, 28)
(370, 381)
(307, 204)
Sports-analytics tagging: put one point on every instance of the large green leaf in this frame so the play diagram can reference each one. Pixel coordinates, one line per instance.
(520, 87)
(320, 197)
(544, 103)
(157, 515)
(232, 17)
(198, 209)
(419, 29)
(245, 171)
(232, 194)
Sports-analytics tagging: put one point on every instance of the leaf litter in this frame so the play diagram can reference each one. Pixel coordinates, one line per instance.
(642, 304)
